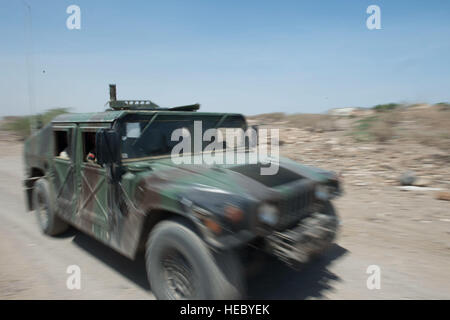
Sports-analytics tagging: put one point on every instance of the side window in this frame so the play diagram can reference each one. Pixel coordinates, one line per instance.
(89, 147)
(62, 144)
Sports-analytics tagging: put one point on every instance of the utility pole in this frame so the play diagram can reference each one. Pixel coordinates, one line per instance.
(30, 64)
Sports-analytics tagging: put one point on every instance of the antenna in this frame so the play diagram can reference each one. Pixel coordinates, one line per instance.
(29, 63)
(112, 92)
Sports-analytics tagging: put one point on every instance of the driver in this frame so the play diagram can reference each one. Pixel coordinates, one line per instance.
(91, 157)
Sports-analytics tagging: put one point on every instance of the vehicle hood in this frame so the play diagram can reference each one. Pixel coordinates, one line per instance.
(219, 181)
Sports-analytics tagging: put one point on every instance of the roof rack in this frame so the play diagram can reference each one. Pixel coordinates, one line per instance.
(133, 104)
(142, 104)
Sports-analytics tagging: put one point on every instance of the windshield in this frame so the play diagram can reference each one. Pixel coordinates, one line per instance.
(155, 135)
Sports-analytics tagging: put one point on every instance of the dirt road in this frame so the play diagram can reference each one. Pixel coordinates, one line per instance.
(407, 236)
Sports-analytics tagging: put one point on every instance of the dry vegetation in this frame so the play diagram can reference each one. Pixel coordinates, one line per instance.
(427, 125)
(309, 121)
(370, 147)
(430, 127)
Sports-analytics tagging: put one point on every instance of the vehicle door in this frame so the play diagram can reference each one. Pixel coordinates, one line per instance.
(94, 207)
(63, 173)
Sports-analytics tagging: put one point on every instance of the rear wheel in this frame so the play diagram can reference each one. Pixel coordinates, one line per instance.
(180, 265)
(48, 221)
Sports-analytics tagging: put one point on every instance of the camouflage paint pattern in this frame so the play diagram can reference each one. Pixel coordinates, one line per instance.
(116, 212)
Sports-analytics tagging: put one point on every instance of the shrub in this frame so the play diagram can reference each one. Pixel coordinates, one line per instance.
(381, 130)
(378, 128)
(445, 106)
(386, 107)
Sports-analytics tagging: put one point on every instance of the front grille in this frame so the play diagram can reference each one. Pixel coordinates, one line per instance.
(295, 207)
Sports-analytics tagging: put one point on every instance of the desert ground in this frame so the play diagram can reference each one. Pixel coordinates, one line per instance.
(404, 228)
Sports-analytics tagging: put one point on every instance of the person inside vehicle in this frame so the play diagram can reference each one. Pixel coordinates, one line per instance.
(91, 157)
(90, 145)
(64, 154)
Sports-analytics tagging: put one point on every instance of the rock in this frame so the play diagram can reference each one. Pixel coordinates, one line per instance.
(386, 166)
(443, 195)
(407, 178)
(414, 188)
(421, 182)
(332, 141)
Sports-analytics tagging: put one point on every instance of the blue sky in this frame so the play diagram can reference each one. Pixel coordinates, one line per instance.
(238, 56)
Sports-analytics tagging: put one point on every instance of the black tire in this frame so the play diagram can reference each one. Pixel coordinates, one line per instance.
(327, 208)
(199, 273)
(48, 221)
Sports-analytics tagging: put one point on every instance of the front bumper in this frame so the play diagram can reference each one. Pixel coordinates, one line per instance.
(310, 237)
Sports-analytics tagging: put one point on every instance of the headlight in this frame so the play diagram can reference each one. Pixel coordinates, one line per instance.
(322, 192)
(268, 214)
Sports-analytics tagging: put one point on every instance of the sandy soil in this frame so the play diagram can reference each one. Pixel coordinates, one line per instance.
(405, 233)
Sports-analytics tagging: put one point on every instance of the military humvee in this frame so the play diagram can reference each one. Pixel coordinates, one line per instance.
(110, 175)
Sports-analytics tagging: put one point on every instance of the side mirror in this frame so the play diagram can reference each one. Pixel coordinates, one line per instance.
(107, 147)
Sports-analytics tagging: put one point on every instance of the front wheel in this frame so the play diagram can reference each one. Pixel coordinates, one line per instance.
(180, 266)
